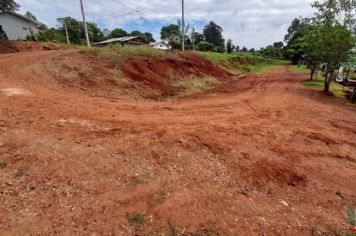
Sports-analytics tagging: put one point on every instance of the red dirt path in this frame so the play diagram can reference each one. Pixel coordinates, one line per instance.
(257, 156)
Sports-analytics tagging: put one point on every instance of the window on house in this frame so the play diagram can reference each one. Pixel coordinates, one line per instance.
(25, 29)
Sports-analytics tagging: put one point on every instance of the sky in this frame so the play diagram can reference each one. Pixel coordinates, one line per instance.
(250, 23)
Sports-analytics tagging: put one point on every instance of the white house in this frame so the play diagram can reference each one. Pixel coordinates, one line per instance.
(14, 26)
(161, 45)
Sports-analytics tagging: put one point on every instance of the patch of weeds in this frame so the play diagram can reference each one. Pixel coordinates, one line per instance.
(119, 53)
(302, 69)
(318, 83)
(20, 173)
(313, 84)
(157, 198)
(174, 230)
(192, 85)
(139, 179)
(136, 220)
(3, 165)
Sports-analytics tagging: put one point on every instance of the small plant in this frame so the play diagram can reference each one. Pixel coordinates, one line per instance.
(139, 179)
(136, 220)
(3, 165)
(19, 173)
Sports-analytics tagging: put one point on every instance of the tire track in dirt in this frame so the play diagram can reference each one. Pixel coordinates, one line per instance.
(256, 155)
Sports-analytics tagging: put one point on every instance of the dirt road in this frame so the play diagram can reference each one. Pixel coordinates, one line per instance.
(257, 156)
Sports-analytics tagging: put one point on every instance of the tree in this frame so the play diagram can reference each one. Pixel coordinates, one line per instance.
(74, 29)
(171, 33)
(331, 39)
(229, 46)
(252, 50)
(298, 28)
(51, 35)
(106, 33)
(29, 15)
(330, 44)
(330, 12)
(8, 5)
(95, 33)
(272, 52)
(237, 48)
(118, 33)
(278, 45)
(149, 37)
(205, 46)
(244, 49)
(213, 34)
(197, 37)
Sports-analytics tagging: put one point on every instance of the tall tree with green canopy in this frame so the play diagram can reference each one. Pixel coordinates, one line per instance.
(117, 33)
(149, 37)
(95, 33)
(171, 33)
(229, 46)
(331, 39)
(298, 28)
(8, 5)
(74, 29)
(213, 34)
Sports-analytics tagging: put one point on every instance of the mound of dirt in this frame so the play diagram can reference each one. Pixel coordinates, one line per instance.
(23, 46)
(264, 172)
(154, 71)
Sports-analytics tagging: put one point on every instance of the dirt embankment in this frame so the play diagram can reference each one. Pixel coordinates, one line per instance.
(155, 72)
(261, 156)
(145, 77)
(23, 46)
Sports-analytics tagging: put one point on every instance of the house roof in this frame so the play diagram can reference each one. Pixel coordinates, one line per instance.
(157, 43)
(121, 40)
(39, 24)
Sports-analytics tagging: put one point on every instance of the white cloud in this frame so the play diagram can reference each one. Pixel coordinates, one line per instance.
(251, 23)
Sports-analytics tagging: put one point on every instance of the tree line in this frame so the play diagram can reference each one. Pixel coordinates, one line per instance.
(325, 40)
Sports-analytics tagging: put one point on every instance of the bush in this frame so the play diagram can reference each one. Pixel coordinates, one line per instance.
(204, 46)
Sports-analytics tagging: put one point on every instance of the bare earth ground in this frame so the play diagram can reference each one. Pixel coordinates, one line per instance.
(257, 156)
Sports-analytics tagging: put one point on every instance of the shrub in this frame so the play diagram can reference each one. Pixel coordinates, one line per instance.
(204, 46)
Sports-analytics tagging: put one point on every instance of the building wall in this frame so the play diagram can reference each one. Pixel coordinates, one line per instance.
(15, 27)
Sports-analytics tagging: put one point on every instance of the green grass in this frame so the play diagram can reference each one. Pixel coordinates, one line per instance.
(301, 69)
(121, 53)
(135, 219)
(243, 62)
(192, 85)
(318, 83)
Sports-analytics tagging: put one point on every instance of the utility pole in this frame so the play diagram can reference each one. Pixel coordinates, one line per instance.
(193, 38)
(65, 28)
(85, 24)
(183, 26)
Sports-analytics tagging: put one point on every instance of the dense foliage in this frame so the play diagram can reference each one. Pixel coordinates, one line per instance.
(8, 5)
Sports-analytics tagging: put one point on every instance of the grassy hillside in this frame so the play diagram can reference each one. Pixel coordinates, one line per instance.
(244, 62)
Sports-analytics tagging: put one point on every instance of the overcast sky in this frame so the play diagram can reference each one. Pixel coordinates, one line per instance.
(250, 23)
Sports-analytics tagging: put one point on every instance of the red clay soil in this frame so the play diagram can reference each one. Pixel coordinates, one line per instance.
(23, 46)
(261, 155)
(155, 71)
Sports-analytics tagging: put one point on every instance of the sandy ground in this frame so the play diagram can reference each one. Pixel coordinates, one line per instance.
(257, 156)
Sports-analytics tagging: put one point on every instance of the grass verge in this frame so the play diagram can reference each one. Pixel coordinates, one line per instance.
(119, 53)
(192, 85)
(318, 83)
(299, 69)
(243, 62)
